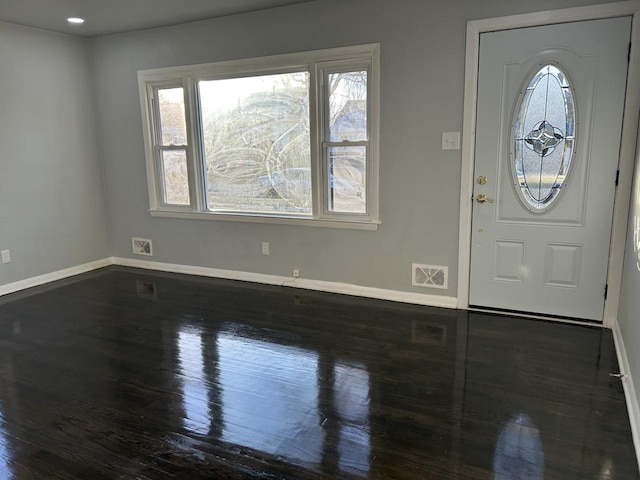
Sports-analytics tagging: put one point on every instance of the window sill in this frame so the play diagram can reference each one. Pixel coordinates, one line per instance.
(298, 221)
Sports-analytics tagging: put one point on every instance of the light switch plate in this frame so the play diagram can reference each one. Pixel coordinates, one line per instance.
(450, 140)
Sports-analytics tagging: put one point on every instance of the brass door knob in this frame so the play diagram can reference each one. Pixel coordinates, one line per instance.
(482, 198)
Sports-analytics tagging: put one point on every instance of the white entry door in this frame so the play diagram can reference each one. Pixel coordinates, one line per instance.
(548, 127)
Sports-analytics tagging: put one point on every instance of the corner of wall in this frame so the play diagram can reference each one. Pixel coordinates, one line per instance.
(630, 395)
(101, 156)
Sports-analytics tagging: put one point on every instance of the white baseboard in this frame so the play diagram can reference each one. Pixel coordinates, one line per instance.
(319, 285)
(629, 390)
(307, 284)
(53, 276)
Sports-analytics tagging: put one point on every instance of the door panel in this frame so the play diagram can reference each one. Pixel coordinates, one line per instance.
(554, 261)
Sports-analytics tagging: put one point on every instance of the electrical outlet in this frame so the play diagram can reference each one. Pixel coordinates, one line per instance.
(265, 248)
(6, 256)
(450, 140)
(296, 273)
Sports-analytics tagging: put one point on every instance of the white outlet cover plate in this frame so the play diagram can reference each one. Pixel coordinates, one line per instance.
(450, 140)
(6, 256)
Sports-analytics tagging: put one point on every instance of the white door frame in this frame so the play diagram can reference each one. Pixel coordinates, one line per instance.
(627, 146)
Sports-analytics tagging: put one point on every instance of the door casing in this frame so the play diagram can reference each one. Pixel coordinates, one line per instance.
(627, 146)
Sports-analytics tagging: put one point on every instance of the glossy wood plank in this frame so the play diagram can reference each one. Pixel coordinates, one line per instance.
(123, 373)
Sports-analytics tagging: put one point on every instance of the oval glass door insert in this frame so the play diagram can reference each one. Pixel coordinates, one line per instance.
(544, 136)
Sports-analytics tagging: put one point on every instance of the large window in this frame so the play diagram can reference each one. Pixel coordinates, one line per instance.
(286, 139)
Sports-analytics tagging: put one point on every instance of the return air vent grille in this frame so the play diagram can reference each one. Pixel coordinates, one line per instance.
(142, 246)
(430, 276)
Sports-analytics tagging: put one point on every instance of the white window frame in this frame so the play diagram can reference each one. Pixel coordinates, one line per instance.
(319, 64)
(325, 69)
(159, 149)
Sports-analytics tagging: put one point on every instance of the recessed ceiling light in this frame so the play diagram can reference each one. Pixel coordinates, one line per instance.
(75, 20)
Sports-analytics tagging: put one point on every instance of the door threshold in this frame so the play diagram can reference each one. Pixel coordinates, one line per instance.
(537, 316)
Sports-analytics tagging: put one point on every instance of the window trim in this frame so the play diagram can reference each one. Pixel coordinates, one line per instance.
(159, 149)
(324, 69)
(317, 64)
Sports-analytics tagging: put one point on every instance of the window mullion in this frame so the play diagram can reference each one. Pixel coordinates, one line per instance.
(194, 155)
(167, 148)
(156, 145)
(347, 143)
(315, 122)
(160, 187)
(324, 133)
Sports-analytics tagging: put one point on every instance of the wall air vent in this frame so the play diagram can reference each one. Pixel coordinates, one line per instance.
(430, 276)
(142, 246)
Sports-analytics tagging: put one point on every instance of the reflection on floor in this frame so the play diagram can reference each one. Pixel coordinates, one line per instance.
(123, 373)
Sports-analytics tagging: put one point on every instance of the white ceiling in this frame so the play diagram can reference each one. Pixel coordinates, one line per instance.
(104, 17)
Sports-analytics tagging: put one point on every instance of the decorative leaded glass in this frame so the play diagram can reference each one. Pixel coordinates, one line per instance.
(544, 136)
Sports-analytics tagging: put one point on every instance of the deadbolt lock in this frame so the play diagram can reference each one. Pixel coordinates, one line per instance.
(482, 179)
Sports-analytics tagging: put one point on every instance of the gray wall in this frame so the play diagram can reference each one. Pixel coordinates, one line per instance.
(629, 311)
(422, 76)
(52, 209)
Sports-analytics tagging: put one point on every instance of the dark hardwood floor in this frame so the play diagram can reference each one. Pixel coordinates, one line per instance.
(128, 374)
